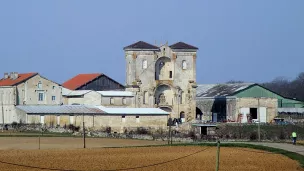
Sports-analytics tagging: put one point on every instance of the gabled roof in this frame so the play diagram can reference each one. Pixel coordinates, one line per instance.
(182, 45)
(220, 90)
(141, 45)
(21, 78)
(80, 80)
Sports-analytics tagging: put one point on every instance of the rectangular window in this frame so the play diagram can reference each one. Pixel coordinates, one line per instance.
(53, 87)
(71, 120)
(170, 74)
(39, 85)
(53, 98)
(137, 119)
(58, 120)
(123, 118)
(40, 96)
(42, 119)
(112, 100)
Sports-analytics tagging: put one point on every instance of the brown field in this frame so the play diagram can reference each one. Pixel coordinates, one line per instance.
(231, 159)
(68, 143)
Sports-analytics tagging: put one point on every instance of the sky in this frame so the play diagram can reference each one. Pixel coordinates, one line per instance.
(252, 41)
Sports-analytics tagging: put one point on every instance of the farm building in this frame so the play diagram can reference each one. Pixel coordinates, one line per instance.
(240, 102)
(95, 81)
(95, 117)
(112, 99)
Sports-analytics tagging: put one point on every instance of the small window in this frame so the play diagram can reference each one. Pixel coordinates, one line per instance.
(184, 64)
(53, 98)
(124, 101)
(170, 74)
(58, 120)
(40, 96)
(39, 85)
(137, 119)
(144, 64)
(71, 119)
(123, 118)
(53, 87)
(112, 101)
(42, 119)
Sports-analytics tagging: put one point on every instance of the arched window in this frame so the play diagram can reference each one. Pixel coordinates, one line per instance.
(124, 101)
(144, 64)
(184, 64)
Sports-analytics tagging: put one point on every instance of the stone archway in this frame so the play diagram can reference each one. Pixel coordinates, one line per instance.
(163, 69)
(164, 96)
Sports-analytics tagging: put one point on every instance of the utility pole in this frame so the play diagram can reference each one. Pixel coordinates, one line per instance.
(83, 129)
(259, 128)
(217, 156)
(2, 111)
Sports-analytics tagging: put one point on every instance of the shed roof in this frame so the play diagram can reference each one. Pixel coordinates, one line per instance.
(134, 111)
(220, 90)
(80, 80)
(116, 93)
(291, 110)
(182, 45)
(21, 78)
(141, 45)
(63, 109)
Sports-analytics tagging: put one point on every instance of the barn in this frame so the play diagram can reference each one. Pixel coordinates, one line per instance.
(239, 102)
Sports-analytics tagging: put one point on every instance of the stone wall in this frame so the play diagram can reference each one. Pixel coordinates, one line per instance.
(271, 105)
(116, 122)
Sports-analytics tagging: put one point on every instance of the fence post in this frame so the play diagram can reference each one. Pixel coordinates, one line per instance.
(217, 156)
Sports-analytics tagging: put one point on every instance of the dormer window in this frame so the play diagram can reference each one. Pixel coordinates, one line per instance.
(184, 64)
(145, 64)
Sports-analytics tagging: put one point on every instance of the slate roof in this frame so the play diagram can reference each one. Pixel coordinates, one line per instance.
(182, 45)
(141, 45)
(220, 90)
(21, 78)
(80, 80)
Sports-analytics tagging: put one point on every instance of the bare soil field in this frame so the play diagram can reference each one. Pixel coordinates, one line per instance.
(236, 159)
(69, 142)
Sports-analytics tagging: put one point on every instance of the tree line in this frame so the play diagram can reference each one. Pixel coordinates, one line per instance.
(287, 88)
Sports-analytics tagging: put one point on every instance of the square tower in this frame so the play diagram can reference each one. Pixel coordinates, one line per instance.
(163, 76)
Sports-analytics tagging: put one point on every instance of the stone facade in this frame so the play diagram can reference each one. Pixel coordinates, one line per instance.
(164, 78)
(118, 123)
(28, 93)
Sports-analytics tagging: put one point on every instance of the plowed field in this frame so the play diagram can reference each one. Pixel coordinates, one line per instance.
(231, 159)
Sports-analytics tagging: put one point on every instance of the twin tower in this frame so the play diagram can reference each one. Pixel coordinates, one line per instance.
(163, 77)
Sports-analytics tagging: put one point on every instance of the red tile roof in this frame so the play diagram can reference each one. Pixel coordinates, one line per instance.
(21, 78)
(80, 80)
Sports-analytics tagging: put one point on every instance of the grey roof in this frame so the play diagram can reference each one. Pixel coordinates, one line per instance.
(182, 45)
(141, 45)
(220, 90)
(85, 109)
(63, 109)
(291, 110)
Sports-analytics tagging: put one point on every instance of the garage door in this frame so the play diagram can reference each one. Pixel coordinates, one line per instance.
(263, 114)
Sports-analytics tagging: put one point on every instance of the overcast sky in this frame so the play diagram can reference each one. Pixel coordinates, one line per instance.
(254, 41)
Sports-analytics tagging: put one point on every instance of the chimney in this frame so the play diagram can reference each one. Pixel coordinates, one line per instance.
(5, 75)
(11, 75)
(15, 75)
